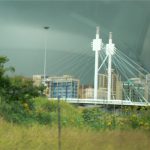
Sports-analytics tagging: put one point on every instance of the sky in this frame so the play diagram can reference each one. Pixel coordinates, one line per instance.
(72, 28)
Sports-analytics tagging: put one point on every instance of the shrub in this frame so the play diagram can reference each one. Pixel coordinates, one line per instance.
(94, 117)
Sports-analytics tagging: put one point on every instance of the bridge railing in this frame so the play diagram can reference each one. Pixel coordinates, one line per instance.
(103, 102)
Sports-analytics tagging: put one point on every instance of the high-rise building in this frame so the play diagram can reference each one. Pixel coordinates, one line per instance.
(102, 86)
(119, 88)
(89, 92)
(37, 80)
(116, 86)
(81, 91)
(63, 86)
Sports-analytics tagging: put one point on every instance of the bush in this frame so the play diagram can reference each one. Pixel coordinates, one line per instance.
(93, 117)
(43, 118)
(45, 112)
(15, 112)
(70, 116)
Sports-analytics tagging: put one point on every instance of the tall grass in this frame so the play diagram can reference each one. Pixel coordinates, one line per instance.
(44, 137)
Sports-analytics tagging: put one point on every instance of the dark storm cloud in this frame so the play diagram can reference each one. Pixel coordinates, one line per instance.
(72, 28)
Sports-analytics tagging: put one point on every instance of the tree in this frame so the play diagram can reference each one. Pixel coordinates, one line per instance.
(22, 89)
(3, 69)
(4, 79)
(16, 88)
(16, 95)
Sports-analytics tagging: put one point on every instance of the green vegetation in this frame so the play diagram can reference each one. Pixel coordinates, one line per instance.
(28, 121)
(16, 94)
(45, 112)
(19, 103)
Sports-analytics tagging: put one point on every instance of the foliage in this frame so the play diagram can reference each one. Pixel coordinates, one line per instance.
(46, 112)
(4, 69)
(16, 88)
(99, 119)
(128, 118)
(16, 112)
(22, 89)
(19, 104)
(16, 95)
(92, 116)
(4, 79)
(70, 116)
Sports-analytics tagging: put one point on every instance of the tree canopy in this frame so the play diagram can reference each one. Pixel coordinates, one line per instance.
(17, 88)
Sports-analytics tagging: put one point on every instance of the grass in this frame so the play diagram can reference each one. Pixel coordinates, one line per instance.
(44, 137)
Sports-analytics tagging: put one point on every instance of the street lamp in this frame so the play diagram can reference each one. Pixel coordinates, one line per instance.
(45, 53)
(59, 122)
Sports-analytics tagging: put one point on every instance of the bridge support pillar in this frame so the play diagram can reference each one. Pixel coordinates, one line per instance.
(97, 45)
(110, 50)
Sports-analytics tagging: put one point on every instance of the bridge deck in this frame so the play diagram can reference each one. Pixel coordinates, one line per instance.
(104, 102)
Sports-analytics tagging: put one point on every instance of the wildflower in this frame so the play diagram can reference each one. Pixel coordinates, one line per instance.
(141, 123)
(109, 123)
(25, 105)
(146, 125)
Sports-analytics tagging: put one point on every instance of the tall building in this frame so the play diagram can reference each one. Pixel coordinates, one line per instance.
(37, 80)
(116, 86)
(102, 86)
(81, 91)
(119, 88)
(63, 86)
(89, 92)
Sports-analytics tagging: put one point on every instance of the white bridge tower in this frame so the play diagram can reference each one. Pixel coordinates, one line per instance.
(110, 50)
(97, 46)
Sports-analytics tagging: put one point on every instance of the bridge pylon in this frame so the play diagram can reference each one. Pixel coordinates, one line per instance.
(96, 46)
(110, 50)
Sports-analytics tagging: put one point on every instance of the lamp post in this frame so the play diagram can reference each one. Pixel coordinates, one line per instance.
(59, 123)
(45, 53)
(66, 90)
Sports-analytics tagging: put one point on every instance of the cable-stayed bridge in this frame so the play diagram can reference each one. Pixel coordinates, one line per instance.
(134, 81)
(118, 79)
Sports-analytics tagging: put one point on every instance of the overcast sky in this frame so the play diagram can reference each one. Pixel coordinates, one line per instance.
(72, 28)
